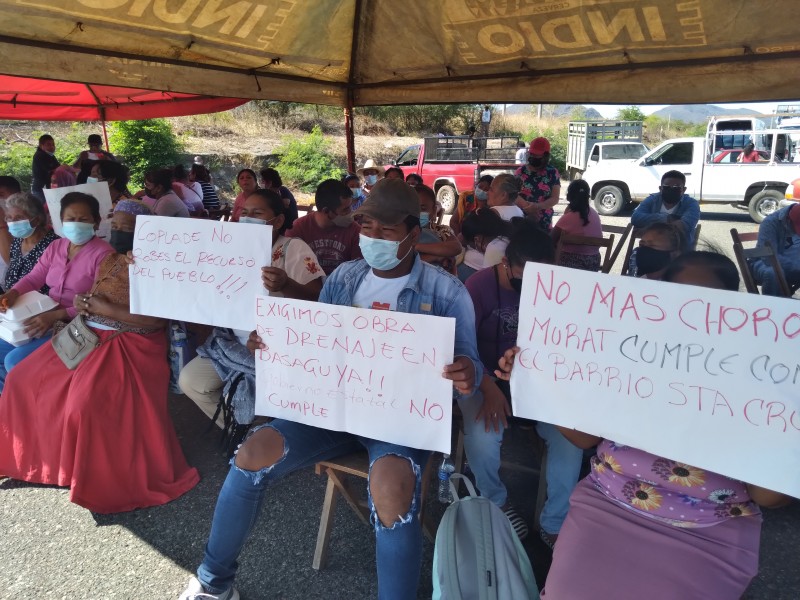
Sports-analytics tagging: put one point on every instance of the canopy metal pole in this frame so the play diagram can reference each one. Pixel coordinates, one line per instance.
(103, 121)
(349, 135)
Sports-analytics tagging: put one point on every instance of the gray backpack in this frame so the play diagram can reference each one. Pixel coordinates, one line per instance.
(477, 555)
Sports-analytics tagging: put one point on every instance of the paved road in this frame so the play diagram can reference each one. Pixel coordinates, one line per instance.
(51, 548)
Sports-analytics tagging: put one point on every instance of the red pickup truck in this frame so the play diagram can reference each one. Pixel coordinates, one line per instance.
(453, 164)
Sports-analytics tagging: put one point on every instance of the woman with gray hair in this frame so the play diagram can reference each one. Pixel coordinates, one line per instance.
(503, 193)
(26, 222)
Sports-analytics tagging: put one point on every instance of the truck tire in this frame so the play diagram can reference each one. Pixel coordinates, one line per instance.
(763, 204)
(609, 201)
(446, 196)
(575, 174)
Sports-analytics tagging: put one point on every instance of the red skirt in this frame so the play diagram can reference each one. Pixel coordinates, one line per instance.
(103, 430)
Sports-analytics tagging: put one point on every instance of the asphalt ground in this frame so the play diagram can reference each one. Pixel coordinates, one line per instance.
(50, 548)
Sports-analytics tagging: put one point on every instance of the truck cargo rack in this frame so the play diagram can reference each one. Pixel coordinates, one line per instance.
(463, 148)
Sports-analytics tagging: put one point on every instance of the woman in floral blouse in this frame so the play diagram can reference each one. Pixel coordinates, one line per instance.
(644, 526)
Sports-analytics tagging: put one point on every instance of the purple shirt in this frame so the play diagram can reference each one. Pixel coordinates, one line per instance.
(496, 316)
(66, 278)
(666, 490)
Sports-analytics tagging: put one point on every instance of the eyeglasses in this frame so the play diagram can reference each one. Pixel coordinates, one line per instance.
(671, 187)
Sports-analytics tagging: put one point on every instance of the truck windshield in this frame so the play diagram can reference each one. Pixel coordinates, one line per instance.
(624, 151)
(408, 157)
(679, 153)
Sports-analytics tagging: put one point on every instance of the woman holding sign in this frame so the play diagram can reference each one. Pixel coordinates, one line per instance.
(103, 428)
(223, 358)
(67, 266)
(641, 525)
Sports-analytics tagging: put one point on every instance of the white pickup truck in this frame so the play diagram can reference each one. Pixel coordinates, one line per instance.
(712, 175)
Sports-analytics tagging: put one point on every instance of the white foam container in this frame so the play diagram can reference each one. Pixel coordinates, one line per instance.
(29, 305)
(13, 332)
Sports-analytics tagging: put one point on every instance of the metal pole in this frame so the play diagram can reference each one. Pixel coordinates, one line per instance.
(105, 133)
(350, 135)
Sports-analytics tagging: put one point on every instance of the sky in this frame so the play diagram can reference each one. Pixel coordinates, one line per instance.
(610, 110)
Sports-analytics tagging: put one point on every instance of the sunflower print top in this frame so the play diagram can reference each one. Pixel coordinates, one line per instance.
(667, 490)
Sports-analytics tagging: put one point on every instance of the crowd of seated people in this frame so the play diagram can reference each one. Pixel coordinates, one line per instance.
(374, 240)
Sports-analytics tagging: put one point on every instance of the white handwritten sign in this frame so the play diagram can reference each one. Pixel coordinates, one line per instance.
(99, 190)
(198, 271)
(706, 377)
(373, 373)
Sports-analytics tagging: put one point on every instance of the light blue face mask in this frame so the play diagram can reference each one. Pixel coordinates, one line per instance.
(356, 192)
(20, 229)
(381, 254)
(481, 195)
(252, 220)
(371, 179)
(78, 233)
(424, 219)
(92, 180)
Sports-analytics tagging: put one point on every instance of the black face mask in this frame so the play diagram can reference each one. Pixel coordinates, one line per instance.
(649, 260)
(538, 163)
(671, 195)
(516, 283)
(121, 241)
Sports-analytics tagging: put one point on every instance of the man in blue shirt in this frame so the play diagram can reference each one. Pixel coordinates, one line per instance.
(782, 230)
(670, 205)
(391, 276)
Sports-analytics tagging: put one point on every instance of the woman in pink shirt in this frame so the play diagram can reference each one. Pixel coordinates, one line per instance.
(67, 266)
(579, 219)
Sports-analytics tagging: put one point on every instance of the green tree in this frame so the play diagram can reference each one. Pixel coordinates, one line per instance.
(144, 145)
(630, 113)
(307, 161)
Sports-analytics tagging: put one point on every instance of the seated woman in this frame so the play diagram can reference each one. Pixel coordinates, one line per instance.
(190, 192)
(102, 429)
(479, 231)
(26, 222)
(158, 194)
(247, 182)
(271, 180)
(659, 245)
(63, 176)
(67, 266)
(675, 531)
(469, 202)
(116, 175)
(579, 219)
(447, 245)
(199, 174)
(224, 359)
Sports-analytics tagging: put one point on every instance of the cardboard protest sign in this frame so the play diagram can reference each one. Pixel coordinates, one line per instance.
(198, 271)
(706, 377)
(99, 190)
(373, 373)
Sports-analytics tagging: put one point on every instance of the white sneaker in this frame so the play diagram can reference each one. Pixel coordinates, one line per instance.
(196, 591)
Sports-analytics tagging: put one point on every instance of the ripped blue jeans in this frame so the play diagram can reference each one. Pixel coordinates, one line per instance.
(398, 548)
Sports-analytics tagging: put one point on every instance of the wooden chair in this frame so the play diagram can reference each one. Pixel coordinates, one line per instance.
(623, 232)
(585, 240)
(744, 256)
(337, 470)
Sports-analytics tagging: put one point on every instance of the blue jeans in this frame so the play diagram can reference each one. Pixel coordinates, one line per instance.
(398, 548)
(563, 469)
(11, 356)
(483, 450)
